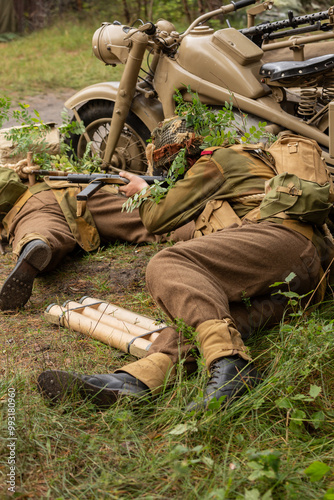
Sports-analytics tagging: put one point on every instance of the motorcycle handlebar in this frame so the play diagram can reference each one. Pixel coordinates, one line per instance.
(242, 3)
(224, 9)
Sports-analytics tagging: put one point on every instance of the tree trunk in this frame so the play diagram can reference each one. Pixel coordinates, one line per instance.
(201, 8)
(150, 10)
(19, 11)
(186, 10)
(126, 12)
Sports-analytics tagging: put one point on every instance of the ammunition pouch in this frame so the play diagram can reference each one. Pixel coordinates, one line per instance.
(216, 215)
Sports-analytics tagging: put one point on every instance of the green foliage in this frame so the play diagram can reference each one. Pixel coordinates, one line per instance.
(184, 457)
(7, 37)
(5, 104)
(297, 416)
(159, 189)
(317, 471)
(30, 136)
(294, 299)
(69, 127)
(31, 131)
(329, 495)
(67, 159)
(265, 464)
(218, 128)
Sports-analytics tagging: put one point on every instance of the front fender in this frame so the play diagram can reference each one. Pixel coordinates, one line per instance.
(149, 110)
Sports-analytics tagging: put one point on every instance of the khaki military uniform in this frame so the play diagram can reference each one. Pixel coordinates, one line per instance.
(51, 216)
(220, 284)
(48, 210)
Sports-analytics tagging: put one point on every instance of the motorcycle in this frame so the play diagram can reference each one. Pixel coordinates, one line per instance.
(224, 65)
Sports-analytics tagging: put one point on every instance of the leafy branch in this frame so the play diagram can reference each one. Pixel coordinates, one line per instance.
(159, 189)
(217, 128)
(31, 130)
(30, 136)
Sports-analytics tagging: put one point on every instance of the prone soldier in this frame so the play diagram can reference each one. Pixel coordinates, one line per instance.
(220, 284)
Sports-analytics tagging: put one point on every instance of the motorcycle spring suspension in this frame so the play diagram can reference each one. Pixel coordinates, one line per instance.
(308, 101)
(328, 87)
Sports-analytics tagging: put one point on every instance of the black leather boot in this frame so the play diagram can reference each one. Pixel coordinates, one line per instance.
(17, 288)
(231, 377)
(103, 389)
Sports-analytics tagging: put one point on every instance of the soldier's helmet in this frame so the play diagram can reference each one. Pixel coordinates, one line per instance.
(167, 140)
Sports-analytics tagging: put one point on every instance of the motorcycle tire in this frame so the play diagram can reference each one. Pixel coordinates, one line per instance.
(130, 150)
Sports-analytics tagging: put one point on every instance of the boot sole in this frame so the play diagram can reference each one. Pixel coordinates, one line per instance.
(37, 255)
(17, 288)
(58, 385)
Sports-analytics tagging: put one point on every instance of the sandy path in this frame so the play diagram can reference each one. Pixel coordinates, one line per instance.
(49, 106)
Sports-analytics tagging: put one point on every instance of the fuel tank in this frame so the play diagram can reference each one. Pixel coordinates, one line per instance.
(225, 57)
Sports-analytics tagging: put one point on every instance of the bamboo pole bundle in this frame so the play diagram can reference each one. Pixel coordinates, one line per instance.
(122, 314)
(109, 320)
(127, 334)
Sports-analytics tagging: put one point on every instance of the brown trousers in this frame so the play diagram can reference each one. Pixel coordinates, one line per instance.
(220, 285)
(41, 217)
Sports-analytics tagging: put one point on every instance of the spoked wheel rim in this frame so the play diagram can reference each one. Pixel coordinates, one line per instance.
(129, 153)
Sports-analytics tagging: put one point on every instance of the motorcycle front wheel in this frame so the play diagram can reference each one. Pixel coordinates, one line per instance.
(130, 150)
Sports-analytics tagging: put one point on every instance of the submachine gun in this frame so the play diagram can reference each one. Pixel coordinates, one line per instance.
(96, 181)
(270, 31)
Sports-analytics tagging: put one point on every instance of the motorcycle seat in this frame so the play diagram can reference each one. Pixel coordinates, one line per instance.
(288, 69)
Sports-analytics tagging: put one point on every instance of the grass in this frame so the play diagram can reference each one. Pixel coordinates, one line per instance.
(259, 448)
(56, 58)
(59, 57)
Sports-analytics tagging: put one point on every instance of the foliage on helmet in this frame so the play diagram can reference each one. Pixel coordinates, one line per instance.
(168, 139)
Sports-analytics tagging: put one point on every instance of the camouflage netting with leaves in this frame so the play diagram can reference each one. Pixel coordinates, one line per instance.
(169, 138)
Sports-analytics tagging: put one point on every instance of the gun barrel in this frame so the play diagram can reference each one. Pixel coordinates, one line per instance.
(57, 173)
(291, 22)
(87, 178)
(106, 178)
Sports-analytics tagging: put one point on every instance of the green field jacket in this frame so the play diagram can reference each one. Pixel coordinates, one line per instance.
(220, 174)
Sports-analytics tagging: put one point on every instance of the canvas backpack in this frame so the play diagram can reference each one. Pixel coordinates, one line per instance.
(11, 189)
(302, 189)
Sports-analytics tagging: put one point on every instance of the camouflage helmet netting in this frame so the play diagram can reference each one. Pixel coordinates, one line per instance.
(172, 136)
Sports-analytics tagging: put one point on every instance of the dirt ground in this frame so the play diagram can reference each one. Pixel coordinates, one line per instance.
(49, 106)
(29, 342)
